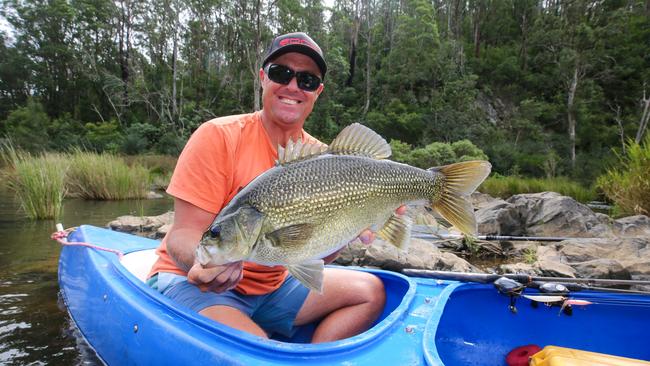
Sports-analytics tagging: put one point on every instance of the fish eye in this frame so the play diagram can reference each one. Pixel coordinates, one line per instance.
(215, 232)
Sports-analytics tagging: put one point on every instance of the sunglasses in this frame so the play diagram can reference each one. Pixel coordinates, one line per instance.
(282, 75)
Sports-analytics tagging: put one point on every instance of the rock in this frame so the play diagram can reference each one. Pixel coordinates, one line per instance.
(480, 200)
(154, 195)
(142, 225)
(554, 269)
(551, 214)
(499, 217)
(638, 225)
(601, 268)
(518, 268)
(421, 255)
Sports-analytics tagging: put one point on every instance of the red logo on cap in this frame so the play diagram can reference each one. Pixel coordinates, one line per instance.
(288, 41)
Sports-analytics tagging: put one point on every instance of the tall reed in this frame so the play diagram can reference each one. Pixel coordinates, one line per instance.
(505, 187)
(105, 177)
(628, 183)
(38, 181)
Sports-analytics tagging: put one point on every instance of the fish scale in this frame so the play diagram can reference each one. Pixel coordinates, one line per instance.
(331, 191)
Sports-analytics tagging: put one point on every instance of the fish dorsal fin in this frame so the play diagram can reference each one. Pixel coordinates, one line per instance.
(357, 139)
(297, 151)
(309, 274)
(397, 231)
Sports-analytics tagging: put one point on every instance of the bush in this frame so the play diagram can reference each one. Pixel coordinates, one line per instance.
(27, 127)
(104, 137)
(628, 185)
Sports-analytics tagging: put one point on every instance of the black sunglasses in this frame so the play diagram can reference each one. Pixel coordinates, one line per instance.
(283, 75)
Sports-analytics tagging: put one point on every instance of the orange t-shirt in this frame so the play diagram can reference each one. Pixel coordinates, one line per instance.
(222, 156)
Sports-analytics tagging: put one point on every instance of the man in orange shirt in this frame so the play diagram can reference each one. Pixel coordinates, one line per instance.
(220, 158)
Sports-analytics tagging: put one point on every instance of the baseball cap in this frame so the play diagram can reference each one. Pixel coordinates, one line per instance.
(296, 42)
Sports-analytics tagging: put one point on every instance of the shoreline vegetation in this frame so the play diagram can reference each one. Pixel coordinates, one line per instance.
(41, 182)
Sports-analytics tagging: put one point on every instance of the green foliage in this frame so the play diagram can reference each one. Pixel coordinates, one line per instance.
(628, 183)
(138, 138)
(105, 177)
(400, 150)
(504, 187)
(27, 127)
(496, 73)
(37, 180)
(104, 137)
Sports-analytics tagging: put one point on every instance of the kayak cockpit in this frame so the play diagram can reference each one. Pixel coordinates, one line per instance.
(139, 263)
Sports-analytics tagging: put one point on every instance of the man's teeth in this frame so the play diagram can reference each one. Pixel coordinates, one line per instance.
(289, 101)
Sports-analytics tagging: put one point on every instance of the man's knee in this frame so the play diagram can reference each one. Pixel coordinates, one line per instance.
(371, 289)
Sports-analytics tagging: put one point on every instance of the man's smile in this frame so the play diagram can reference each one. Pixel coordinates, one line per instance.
(287, 100)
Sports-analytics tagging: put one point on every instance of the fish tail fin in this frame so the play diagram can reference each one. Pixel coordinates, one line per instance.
(461, 179)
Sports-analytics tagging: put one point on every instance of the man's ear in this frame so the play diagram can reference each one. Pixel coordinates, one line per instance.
(320, 89)
(262, 74)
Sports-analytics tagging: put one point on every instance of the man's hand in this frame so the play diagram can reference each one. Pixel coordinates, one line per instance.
(368, 236)
(217, 279)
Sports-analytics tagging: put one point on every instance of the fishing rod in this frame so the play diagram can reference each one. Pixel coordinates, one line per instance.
(585, 283)
(439, 232)
(489, 237)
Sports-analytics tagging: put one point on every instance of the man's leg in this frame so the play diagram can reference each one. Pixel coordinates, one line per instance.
(233, 318)
(351, 301)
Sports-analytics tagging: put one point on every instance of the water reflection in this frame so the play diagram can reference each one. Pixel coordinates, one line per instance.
(34, 329)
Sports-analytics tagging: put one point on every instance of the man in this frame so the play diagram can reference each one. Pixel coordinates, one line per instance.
(220, 158)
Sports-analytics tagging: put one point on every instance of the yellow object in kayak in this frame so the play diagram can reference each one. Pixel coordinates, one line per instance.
(560, 356)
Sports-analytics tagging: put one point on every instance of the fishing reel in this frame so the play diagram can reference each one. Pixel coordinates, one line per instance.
(510, 288)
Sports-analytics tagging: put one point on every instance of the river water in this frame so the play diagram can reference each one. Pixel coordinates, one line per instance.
(34, 328)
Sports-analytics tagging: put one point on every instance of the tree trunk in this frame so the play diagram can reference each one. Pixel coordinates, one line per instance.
(354, 39)
(645, 116)
(369, 25)
(571, 113)
(175, 73)
(256, 59)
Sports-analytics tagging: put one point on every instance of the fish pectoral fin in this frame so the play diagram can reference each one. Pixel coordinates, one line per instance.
(309, 274)
(397, 231)
(357, 139)
(290, 236)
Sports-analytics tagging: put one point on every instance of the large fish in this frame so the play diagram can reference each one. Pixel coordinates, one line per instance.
(318, 198)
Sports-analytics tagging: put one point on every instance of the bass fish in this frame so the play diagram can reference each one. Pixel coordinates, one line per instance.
(318, 198)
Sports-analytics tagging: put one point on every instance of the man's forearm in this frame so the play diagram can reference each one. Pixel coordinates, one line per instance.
(181, 246)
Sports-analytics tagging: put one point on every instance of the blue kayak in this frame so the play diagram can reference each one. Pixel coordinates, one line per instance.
(425, 321)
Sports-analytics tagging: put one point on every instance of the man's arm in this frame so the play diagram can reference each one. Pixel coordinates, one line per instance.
(190, 222)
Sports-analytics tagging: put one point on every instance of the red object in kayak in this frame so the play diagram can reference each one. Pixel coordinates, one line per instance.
(520, 355)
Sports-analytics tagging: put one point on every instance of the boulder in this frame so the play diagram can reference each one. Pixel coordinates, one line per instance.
(551, 214)
(638, 225)
(147, 226)
(420, 255)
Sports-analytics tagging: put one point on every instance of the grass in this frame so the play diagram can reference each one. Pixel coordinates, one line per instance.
(160, 167)
(37, 181)
(628, 184)
(504, 187)
(105, 177)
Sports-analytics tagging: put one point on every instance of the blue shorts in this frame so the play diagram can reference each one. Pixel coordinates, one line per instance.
(274, 312)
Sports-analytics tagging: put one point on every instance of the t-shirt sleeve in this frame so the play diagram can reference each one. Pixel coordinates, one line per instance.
(203, 173)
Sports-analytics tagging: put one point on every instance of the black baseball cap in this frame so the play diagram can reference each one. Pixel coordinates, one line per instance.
(296, 42)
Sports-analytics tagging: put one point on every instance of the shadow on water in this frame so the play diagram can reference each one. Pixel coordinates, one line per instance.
(35, 328)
